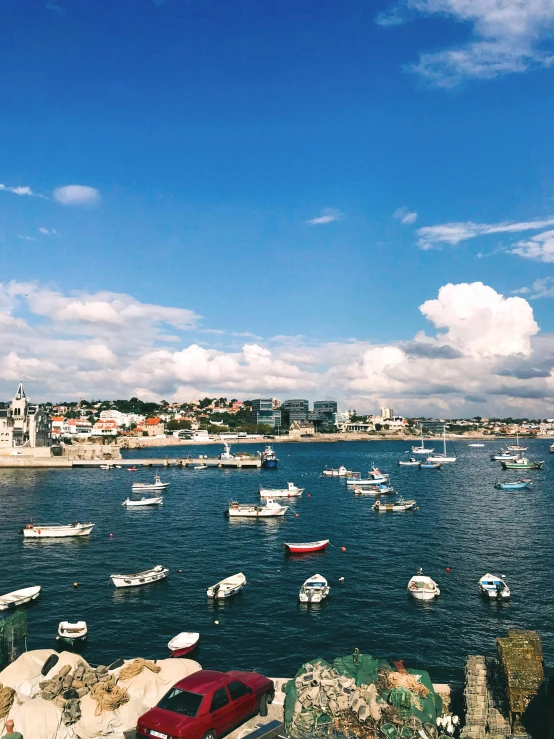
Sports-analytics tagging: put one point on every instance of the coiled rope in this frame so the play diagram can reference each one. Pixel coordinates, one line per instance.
(7, 696)
(136, 667)
(108, 697)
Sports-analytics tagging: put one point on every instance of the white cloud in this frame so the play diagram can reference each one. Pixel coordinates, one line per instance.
(454, 233)
(540, 248)
(99, 353)
(507, 36)
(541, 288)
(22, 191)
(76, 195)
(46, 231)
(329, 215)
(408, 217)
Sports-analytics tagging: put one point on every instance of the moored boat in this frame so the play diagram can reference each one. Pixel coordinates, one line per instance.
(227, 587)
(374, 490)
(476, 444)
(444, 457)
(340, 472)
(140, 578)
(314, 590)
(269, 458)
(421, 449)
(397, 506)
(73, 633)
(245, 510)
(183, 643)
(19, 597)
(56, 531)
(305, 547)
(430, 465)
(517, 446)
(132, 469)
(422, 587)
(156, 485)
(145, 501)
(551, 449)
(502, 454)
(291, 491)
(494, 587)
(199, 466)
(412, 462)
(515, 485)
(522, 463)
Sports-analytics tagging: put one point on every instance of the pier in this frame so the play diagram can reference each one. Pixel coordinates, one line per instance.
(235, 463)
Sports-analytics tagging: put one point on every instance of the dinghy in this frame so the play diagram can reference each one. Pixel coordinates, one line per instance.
(303, 548)
(156, 485)
(291, 491)
(397, 507)
(515, 485)
(422, 587)
(228, 587)
(314, 590)
(73, 633)
(503, 455)
(19, 597)
(522, 463)
(153, 500)
(340, 472)
(200, 466)
(105, 466)
(494, 587)
(56, 531)
(183, 643)
(430, 465)
(244, 510)
(476, 445)
(132, 469)
(412, 462)
(140, 578)
(374, 490)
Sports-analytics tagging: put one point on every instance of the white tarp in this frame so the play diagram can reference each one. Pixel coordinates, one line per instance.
(36, 718)
(149, 687)
(24, 675)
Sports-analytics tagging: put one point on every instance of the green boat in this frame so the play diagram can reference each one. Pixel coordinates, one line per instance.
(522, 463)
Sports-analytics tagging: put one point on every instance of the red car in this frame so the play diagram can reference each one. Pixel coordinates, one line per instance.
(207, 705)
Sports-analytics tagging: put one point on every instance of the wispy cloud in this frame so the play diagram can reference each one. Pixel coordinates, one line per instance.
(77, 195)
(453, 233)
(541, 288)
(507, 36)
(22, 191)
(540, 248)
(329, 215)
(408, 217)
(47, 231)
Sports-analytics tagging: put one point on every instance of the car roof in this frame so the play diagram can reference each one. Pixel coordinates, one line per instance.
(203, 680)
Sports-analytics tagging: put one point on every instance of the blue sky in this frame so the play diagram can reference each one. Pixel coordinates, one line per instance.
(269, 166)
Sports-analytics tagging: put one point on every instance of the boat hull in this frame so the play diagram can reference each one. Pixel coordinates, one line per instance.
(516, 466)
(19, 598)
(269, 464)
(256, 514)
(424, 595)
(46, 532)
(304, 548)
(181, 652)
(142, 503)
(139, 579)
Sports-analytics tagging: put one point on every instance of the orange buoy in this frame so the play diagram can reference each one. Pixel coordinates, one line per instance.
(296, 514)
(75, 584)
(447, 569)
(309, 495)
(343, 549)
(111, 534)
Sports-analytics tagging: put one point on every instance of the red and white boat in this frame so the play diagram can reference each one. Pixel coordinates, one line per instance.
(132, 469)
(183, 643)
(310, 546)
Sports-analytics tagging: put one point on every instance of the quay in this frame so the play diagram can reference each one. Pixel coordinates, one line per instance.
(26, 462)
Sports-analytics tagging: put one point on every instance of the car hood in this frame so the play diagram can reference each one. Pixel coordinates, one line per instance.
(168, 722)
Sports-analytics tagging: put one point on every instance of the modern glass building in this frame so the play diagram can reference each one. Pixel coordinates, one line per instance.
(263, 412)
(297, 409)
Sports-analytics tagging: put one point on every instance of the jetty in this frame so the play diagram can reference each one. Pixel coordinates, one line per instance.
(20, 462)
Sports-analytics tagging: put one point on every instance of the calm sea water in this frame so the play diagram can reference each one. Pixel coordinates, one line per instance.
(463, 523)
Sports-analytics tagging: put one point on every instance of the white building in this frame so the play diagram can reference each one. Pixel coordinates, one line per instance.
(23, 424)
(122, 419)
(386, 413)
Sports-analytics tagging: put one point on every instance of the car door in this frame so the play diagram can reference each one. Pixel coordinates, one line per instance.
(221, 711)
(243, 700)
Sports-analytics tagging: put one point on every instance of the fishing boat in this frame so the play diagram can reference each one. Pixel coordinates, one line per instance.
(73, 633)
(493, 586)
(19, 597)
(228, 587)
(152, 500)
(340, 472)
(245, 510)
(183, 643)
(140, 578)
(106, 466)
(516, 447)
(199, 466)
(269, 458)
(422, 587)
(291, 491)
(132, 469)
(515, 485)
(314, 590)
(476, 445)
(412, 462)
(421, 449)
(398, 506)
(56, 531)
(156, 485)
(522, 463)
(305, 547)
(430, 465)
(444, 457)
(374, 477)
(503, 455)
(374, 490)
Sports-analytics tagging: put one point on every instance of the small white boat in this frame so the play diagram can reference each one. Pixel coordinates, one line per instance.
(307, 546)
(475, 445)
(503, 455)
(200, 466)
(183, 643)
(444, 457)
(422, 587)
(374, 477)
(245, 510)
(73, 633)
(19, 597)
(412, 462)
(291, 491)
(516, 447)
(106, 466)
(340, 472)
(314, 590)
(228, 587)
(153, 500)
(156, 485)
(421, 449)
(494, 587)
(374, 490)
(56, 531)
(396, 507)
(140, 578)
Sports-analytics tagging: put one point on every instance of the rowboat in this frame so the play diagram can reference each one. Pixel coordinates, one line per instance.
(314, 590)
(270, 510)
(304, 547)
(522, 463)
(56, 531)
(228, 587)
(515, 485)
(19, 597)
(140, 578)
(153, 500)
(73, 633)
(132, 469)
(183, 643)
(493, 586)
(291, 491)
(422, 587)
(156, 485)
(412, 462)
(475, 445)
(430, 465)
(200, 466)
(396, 507)
(374, 490)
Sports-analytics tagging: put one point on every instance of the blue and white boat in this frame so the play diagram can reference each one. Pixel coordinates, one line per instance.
(269, 458)
(494, 587)
(515, 485)
(430, 465)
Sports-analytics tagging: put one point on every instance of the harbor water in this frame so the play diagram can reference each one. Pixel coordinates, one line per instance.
(463, 523)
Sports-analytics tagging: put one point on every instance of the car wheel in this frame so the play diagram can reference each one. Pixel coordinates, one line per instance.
(209, 735)
(263, 704)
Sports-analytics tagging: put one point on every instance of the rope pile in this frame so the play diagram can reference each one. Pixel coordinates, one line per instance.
(7, 696)
(407, 680)
(108, 696)
(136, 667)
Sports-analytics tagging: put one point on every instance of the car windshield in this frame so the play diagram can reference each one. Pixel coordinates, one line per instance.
(181, 701)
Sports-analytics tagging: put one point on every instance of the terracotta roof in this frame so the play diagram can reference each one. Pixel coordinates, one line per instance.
(153, 421)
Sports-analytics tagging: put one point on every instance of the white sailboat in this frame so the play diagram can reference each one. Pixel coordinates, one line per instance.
(444, 457)
(516, 447)
(421, 449)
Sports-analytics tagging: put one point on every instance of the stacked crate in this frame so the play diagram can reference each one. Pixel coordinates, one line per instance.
(476, 698)
(498, 724)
